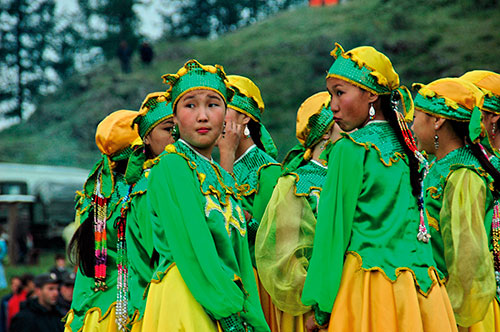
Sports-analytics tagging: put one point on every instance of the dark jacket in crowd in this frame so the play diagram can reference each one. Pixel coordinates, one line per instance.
(34, 317)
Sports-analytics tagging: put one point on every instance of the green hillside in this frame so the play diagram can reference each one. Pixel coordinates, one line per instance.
(286, 56)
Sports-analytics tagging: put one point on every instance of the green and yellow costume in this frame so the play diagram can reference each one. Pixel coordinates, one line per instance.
(459, 202)
(368, 269)
(284, 241)
(204, 280)
(94, 301)
(139, 230)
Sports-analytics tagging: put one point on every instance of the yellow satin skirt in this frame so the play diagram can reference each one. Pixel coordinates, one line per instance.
(94, 321)
(170, 306)
(369, 301)
(490, 323)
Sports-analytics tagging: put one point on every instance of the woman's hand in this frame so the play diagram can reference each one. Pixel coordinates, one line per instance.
(311, 325)
(228, 143)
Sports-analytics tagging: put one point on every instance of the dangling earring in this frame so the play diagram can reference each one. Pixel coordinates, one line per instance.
(493, 130)
(371, 112)
(224, 129)
(175, 132)
(436, 141)
(323, 145)
(246, 132)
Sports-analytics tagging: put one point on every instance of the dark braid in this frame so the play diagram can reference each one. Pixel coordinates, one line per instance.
(462, 130)
(81, 248)
(255, 134)
(391, 116)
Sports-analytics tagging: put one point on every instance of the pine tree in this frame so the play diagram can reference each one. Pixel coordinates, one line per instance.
(25, 32)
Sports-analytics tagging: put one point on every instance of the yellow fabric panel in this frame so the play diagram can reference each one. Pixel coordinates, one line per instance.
(267, 304)
(312, 105)
(171, 307)
(290, 323)
(248, 88)
(368, 301)
(283, 246)
(455, 92)
(490, 323)
(471, 279)
(116, 132)
(95, 322)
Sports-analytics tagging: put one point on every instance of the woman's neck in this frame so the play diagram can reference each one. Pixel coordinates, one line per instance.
(245, 144)
(448, 145)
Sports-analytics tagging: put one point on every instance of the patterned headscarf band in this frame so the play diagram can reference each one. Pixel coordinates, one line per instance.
(370, 70)
(195, 76)
(154, 109)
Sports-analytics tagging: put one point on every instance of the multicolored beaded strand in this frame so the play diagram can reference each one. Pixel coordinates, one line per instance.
(100, 204)
(122, 266)
(422, 235)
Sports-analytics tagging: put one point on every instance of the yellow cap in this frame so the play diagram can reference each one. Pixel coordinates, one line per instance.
(115, 132)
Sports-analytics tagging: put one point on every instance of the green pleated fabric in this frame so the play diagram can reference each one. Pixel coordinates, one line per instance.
(198, 224)
(257, 173)
(366, 207)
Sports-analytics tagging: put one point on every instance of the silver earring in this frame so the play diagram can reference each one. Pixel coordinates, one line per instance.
(493, 130)
(371, 112)
(246, 131)
(436, 141)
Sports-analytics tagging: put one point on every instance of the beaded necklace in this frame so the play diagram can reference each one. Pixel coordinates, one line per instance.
(122, 266)
(100, 204)
(422, 235)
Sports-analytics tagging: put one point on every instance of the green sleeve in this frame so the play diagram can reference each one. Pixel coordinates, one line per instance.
(267, 181)
(337, 207)
(176, 200)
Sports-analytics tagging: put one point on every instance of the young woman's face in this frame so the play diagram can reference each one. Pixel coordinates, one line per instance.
(200, 117)
(490, 122)
(423, 129)
(159, 137)
(350, 104)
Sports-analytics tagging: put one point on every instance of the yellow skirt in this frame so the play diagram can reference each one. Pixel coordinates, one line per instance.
(370, 301)
(170, 306)
(490, 323)
(94, 321)
(278, 320)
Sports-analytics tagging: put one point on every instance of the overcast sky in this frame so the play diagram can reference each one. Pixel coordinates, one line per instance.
(150, 20)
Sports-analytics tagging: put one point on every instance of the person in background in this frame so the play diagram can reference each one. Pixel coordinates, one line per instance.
(39, 313)
(146, 53)
(15, 284)
(60, 269)
(3, 253)
(23, 292)
(65, 293)
(124, 54)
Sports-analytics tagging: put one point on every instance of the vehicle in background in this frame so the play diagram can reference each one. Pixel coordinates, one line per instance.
(40, 201)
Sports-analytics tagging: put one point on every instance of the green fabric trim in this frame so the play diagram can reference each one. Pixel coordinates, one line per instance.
(198, 78)
(346, 68)
(380, 136)
(319, 124)
(158, 111)
(310, 176)
(246, 104)
(246, 169)
(437, 106)
(267, 142)
(492, 103)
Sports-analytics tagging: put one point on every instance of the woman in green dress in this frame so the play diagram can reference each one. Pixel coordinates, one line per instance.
(94, 245)
(460, 198)
(204, 279)
(285, 237)
(155, 124)
(372, 267)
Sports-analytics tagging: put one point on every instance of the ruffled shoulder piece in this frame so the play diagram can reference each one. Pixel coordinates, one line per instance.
(247, 169)
(495, 161)
(381, 137)
(213, 179)
(309, 177)
(441, 170)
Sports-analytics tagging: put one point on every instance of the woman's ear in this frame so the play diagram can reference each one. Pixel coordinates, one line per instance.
(146, 140)
(246, 120)
(495, 118)
(372, 97)
(438, 123)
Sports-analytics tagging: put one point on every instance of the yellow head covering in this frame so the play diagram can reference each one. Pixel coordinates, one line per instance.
(114, 134)
(489, 82)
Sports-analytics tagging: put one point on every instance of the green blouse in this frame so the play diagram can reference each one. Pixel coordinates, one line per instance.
(459, 204)
(256, 174)
(366, 208)
(198, 224)
(84, 296)
(139, 237)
